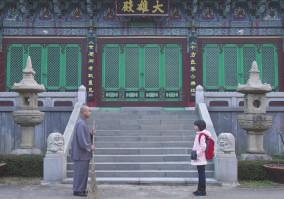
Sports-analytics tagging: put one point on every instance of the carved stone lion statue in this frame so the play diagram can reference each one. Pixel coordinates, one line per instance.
(226, 142)
(55, 143)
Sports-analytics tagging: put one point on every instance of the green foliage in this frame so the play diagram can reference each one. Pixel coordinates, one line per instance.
(258, 184)
(253, 170)
(278, 157)
(18, 181)
(23, 165)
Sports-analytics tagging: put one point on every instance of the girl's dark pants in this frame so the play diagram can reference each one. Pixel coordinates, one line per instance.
(201, 178)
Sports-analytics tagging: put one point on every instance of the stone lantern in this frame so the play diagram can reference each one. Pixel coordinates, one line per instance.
(27, 114)
(254, 119)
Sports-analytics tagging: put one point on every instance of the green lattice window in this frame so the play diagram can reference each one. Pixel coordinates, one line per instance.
(149, 72)
(224, 66)
(58, 67)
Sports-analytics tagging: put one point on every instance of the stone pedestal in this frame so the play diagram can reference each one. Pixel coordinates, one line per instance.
(54, 168)
(254, 156)
(21, 151)
(27, 139)
(54, 165)
(27, 145)
(226, 168)
(255, 143)
(226, 163)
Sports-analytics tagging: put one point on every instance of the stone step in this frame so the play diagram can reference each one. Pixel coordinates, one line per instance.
(127, 125)
(142, 109)
(142, 121)
(142, 117)
(137, 151)
(145, 114)
(145, 133)
(142, 138)
(147, 173)
(144, 166)
(142, 158)
(149, 180)
(144, 144)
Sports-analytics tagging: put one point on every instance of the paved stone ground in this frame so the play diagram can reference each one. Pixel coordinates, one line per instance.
(138, 192)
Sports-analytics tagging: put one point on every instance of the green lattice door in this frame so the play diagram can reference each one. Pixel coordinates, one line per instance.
(227, 65)
(58, 67)
(149, 72)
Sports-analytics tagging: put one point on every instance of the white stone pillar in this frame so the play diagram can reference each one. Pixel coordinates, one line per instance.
(199, 95)
(82, 95)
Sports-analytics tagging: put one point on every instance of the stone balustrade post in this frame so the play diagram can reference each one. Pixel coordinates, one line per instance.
(82, 95)
(199, 95)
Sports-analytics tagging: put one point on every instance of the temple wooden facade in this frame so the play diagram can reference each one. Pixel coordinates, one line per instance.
(142, 52)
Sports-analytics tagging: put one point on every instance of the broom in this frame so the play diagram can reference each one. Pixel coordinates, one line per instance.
(92, 187)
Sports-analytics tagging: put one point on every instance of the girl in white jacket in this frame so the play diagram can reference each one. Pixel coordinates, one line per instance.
(199, 160)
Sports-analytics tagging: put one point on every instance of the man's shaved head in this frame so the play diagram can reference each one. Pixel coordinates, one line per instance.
(85, 111)
(84, 108)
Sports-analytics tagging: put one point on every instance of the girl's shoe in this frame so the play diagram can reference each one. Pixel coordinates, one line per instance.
(195, 192)
(199, 193)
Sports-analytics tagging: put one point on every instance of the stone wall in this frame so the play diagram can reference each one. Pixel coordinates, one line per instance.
(226, 121)
(57, 107)
(54, 120)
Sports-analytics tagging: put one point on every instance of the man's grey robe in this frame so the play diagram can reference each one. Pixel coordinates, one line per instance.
(81, 155)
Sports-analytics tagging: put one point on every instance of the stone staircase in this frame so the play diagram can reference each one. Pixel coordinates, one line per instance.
(140, 145)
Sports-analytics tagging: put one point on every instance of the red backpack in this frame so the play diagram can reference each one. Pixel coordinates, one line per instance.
(210, 146)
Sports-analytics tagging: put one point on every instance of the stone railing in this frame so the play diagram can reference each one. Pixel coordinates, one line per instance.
(54, 99)
(46, 100)
(68, 132)
(235, 100)
(204, 115)
(9, 100)
(202, 110)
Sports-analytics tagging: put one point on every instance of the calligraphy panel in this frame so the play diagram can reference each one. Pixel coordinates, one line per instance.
(142, 7)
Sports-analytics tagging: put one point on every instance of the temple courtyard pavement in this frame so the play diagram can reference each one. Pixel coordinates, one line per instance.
(60, 191)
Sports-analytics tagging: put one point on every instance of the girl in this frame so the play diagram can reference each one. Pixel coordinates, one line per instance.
(198, 157)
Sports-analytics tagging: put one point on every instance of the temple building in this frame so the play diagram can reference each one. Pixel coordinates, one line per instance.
(141, 52)
(148, 69)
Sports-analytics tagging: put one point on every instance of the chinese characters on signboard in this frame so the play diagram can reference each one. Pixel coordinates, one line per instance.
(193, 67)
(90, 69)
(142, 7)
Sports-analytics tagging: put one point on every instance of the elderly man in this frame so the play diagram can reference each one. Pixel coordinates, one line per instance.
(81, 154)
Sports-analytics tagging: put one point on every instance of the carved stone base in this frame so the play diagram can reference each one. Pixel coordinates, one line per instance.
(248, 156)
(226, 168)
(32, 151)
(54, 168)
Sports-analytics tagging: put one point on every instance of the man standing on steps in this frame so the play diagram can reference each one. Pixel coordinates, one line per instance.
(81, 154)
